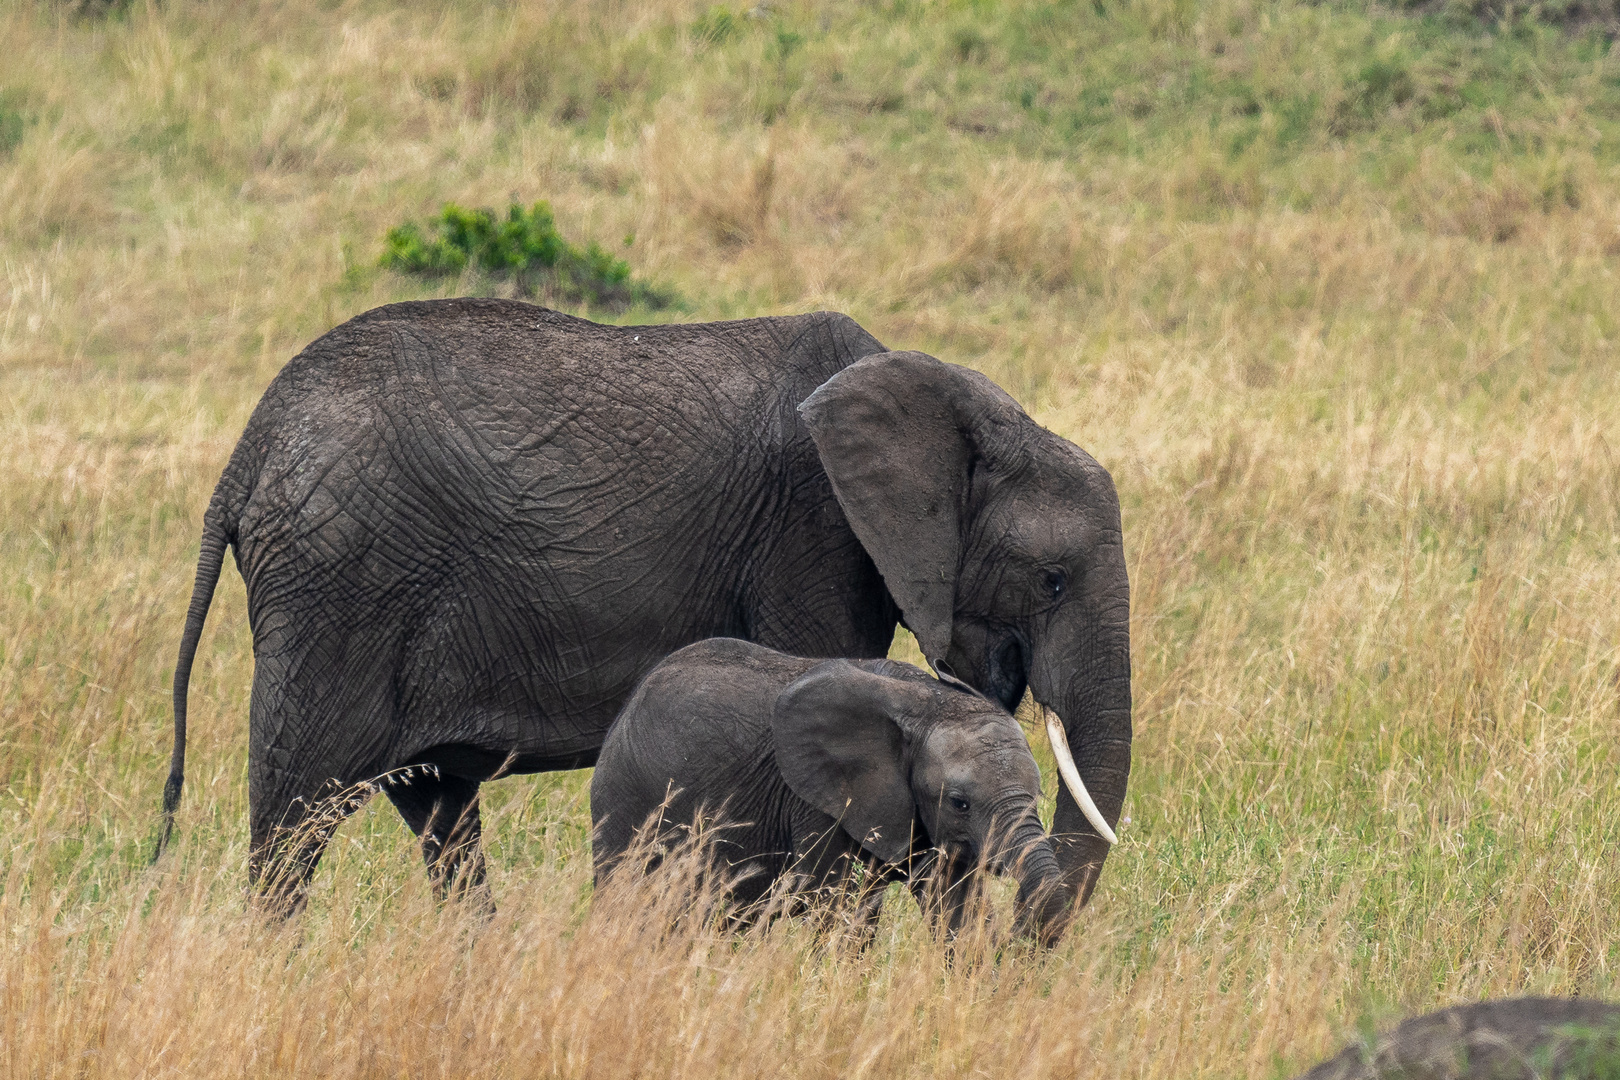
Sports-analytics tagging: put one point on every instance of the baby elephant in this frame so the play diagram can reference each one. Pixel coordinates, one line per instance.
(818, 767)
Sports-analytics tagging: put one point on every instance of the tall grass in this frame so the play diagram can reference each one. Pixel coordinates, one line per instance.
(1330, 290)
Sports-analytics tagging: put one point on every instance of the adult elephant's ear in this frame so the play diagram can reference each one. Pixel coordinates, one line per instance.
(898, 434)
(840, 745)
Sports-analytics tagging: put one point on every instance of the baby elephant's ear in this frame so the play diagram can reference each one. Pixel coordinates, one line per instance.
(840, 747)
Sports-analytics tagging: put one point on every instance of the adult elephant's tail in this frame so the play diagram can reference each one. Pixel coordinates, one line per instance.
(209, 562)
(220, 522)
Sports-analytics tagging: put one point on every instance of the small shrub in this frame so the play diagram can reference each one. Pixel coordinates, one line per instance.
(91, 10)
(13, 122)
(969, 44)
(1511, 14)
(525, 249)
(714, 27)
(1385, 82)
(1382, 84)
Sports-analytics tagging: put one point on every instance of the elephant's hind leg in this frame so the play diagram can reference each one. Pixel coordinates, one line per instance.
(443, 811)
(291, 827)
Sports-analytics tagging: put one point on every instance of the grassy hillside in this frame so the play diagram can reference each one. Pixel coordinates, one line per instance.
(1330, 289)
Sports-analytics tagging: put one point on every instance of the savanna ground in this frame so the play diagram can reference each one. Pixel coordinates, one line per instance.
(1330, 289)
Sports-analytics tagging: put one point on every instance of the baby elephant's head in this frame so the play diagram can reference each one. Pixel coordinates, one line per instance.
(891, 753)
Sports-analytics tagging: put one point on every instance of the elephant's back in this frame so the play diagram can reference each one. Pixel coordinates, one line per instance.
(493, 401)
(468, 422)
(473, 353)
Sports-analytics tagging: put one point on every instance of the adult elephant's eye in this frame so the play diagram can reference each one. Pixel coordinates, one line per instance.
(959, 803)
(1053, 584)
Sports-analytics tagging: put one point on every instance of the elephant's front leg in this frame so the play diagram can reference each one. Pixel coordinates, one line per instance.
(948, 889)
(835, 881)
(443, 811)
(869, 904)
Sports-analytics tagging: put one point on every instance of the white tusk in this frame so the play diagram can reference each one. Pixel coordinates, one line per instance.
(1071, 777)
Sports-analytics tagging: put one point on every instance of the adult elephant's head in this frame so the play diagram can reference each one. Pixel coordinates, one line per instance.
(1001, 544)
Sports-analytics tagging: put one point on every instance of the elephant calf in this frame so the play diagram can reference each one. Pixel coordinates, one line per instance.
(816, 768)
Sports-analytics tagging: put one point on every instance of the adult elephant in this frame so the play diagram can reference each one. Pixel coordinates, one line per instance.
(469, 527)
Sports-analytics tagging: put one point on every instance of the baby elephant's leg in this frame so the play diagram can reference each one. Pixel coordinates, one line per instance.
(948, 891)
(869, 906)
(835, 880)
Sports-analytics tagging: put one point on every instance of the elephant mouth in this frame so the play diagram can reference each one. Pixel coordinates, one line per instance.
(1007, 672)
(1007, 678)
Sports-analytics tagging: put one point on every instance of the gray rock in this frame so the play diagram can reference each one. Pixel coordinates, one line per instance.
(1513, 1039)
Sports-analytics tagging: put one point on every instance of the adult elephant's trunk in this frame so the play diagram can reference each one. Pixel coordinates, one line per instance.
(1082, 671)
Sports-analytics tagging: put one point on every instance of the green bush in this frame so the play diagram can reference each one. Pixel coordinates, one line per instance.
(714, 26)
(13, 121)
(525, 249)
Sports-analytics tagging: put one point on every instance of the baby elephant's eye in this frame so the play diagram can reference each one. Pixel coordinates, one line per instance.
(1053, 583)
(959, 803)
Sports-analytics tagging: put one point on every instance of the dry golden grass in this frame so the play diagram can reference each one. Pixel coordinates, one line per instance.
(1357, 391)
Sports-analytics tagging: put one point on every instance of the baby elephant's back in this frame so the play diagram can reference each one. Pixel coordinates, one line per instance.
(695, 736)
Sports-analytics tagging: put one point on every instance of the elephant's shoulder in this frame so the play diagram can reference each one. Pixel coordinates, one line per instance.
(829, 333)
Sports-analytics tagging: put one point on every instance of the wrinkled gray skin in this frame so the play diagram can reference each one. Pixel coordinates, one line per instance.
(469, 527)
(1512, 1039)
(813, 768)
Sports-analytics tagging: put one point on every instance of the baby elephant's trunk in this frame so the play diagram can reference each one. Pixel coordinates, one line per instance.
(1042, 904)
